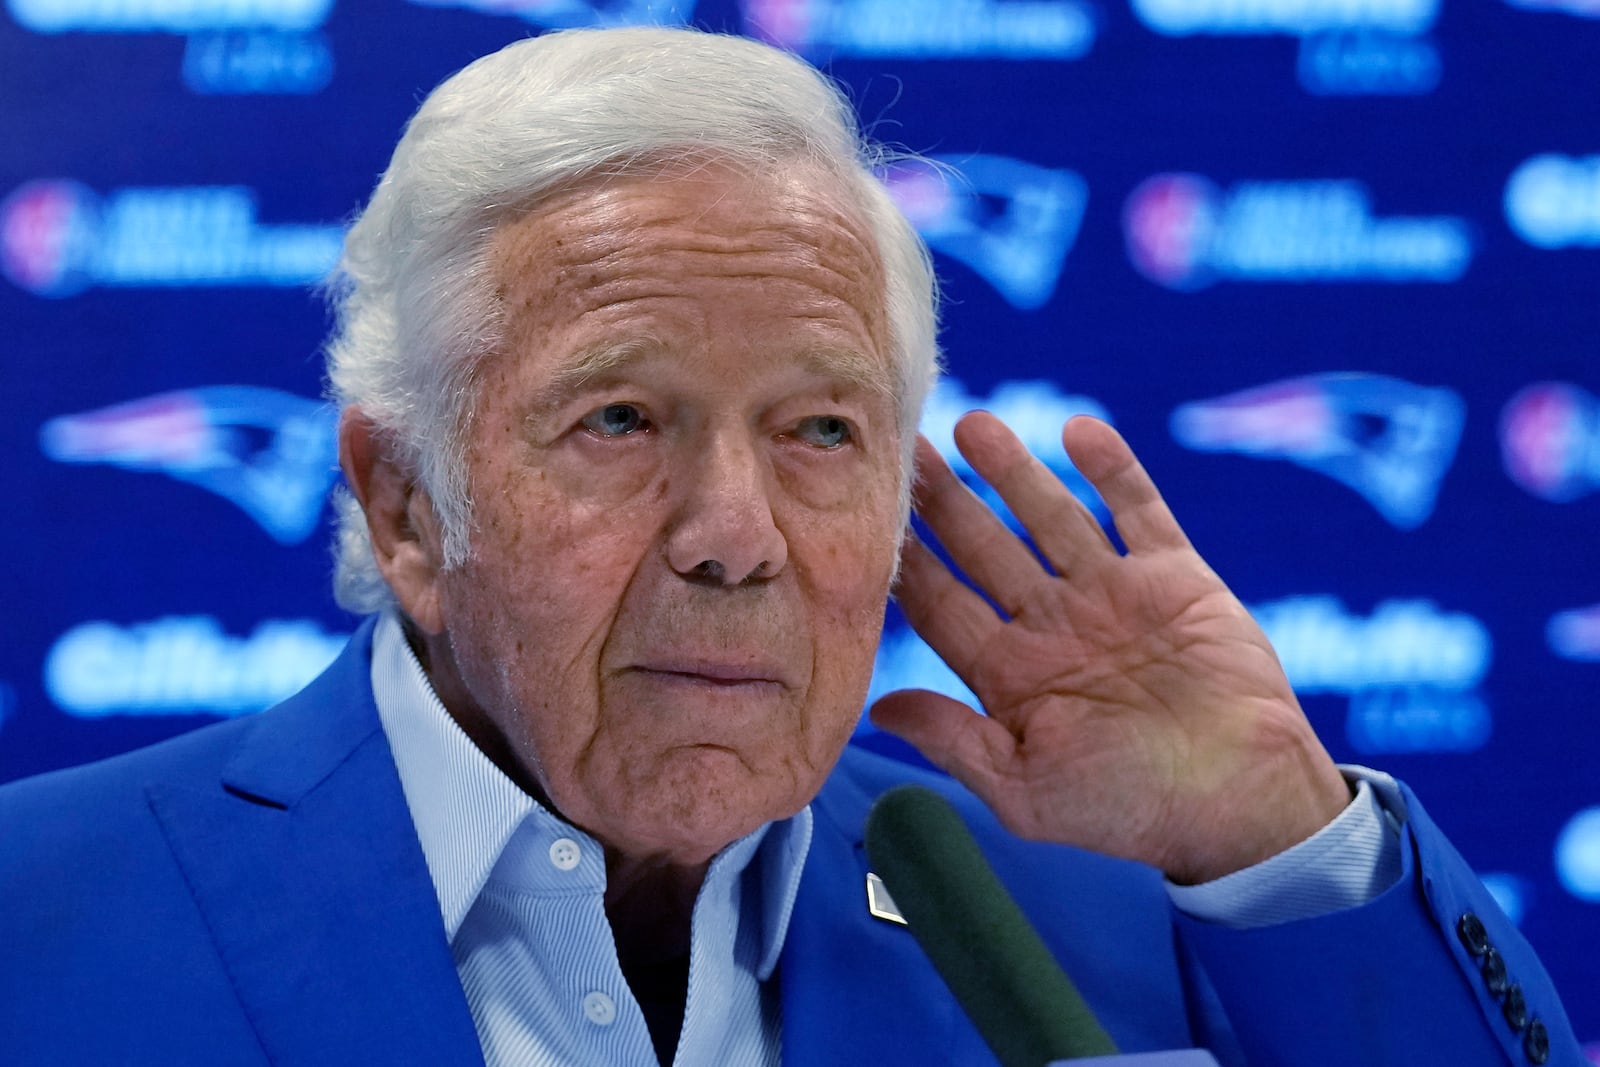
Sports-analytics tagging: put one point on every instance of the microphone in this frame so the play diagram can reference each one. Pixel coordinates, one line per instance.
(979, 941)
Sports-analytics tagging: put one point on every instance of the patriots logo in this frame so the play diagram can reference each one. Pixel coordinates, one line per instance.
(1389, 440)
(272, 453)
(1012, 222)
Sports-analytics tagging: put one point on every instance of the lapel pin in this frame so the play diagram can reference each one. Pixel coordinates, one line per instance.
(880, 903)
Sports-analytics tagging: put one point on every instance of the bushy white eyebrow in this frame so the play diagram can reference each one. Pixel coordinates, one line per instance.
(853, 369)
(587, 367)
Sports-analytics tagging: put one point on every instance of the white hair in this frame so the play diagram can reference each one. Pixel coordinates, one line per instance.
(413, 293)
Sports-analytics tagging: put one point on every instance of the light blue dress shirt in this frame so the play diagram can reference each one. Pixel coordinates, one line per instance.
(521, 894)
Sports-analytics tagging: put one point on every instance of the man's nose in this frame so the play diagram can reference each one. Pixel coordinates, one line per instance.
(724, 532)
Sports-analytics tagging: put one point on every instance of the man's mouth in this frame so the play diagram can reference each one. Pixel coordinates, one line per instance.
(715, 674)
(712, 676)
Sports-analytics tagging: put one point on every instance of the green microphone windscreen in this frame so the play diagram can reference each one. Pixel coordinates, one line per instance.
(991, 957)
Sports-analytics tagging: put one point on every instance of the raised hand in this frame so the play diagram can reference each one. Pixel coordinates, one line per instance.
(1134, 706)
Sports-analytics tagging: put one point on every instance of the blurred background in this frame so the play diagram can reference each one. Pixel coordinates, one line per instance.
(1333, 266)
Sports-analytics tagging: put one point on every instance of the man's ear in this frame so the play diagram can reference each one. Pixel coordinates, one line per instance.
(405, 535)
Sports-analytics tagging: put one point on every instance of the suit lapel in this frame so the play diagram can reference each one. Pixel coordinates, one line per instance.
(305, 865)
(857, 989)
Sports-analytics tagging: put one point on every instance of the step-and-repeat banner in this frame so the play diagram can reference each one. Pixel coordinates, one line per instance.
(1333, 266)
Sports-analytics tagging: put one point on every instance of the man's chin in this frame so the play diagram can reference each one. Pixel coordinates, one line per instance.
(704, 798)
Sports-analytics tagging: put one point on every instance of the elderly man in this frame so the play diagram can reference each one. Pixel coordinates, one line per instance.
(631, 351)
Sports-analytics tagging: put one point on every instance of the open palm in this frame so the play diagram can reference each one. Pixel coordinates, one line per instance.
(1133, 705)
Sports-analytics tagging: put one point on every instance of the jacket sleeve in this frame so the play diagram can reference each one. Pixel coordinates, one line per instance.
(1430, 971)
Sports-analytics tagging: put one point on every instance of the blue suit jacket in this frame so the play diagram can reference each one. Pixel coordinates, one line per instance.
(254, 893)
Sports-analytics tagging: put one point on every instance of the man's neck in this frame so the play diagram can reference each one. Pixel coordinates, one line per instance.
(651, 909)
(651, 905)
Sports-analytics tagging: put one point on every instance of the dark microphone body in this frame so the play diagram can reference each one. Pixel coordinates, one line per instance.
(978, 939)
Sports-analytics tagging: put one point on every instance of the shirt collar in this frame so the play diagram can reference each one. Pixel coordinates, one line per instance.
(466, 810)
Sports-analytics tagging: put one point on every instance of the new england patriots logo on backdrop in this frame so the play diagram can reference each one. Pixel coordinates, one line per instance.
(1389, 440)
(1011, 221)
(272, 453)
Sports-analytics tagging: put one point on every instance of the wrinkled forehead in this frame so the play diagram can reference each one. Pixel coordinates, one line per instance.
(603, 238)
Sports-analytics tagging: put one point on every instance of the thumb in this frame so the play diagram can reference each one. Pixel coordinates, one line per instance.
(965, 744)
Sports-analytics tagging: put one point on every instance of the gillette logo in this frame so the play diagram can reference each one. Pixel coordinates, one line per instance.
(1347, 47)
(1553, 201)
(1183, 232)
(1010, 221)
(183, 665)
(1035, 411)
(1389, 440)
(1182, 18)
(1585, 9)
(1550, 441)
(58, 238)
(233, 46)
(565, 14)
(1325, 649)
(166, 16)
(1410, 670)
(925, 29)
(242, 62)
(273, 454)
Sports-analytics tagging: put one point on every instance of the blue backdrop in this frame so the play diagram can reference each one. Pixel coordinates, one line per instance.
(1331, 265)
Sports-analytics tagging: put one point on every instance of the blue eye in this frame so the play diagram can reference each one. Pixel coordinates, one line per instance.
(825, 431)
(615, 420)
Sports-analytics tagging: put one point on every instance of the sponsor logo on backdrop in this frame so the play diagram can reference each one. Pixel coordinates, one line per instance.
(1389, 440)
(58, 238)
(1553, 201)
(273, 454)
(1181, 18)
(1575, 634)
(1589, 9)
(1367, 64)
(1550, 441)
(1347, 47)
(1011, 222)
(234, 46)
(166, 16)
(1510, 891)
(925, 29)
(1036, 411)
(1578, 855)
(564, 14)
(183, 665)
(1185, 232)
(257, 62)
(1410, 670)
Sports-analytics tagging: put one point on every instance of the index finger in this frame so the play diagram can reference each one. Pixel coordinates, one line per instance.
(977, 539)
(1065, 531)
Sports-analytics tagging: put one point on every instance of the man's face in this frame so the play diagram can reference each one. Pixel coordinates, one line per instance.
(684, 469)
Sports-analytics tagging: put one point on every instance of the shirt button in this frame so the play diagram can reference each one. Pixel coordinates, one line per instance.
(599, 1009)
(564, 853)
